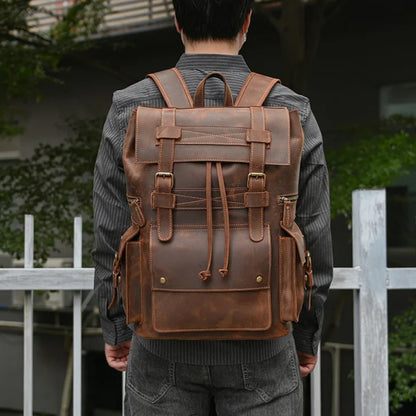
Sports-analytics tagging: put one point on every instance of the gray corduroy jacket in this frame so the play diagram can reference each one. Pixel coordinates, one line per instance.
(112, 214)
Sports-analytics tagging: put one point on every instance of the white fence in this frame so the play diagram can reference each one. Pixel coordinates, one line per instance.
(369, 278)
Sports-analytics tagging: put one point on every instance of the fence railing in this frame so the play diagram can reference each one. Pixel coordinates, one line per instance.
(369, 278)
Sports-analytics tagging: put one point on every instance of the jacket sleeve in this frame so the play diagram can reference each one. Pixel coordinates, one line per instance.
(313, 218)
(111, 219)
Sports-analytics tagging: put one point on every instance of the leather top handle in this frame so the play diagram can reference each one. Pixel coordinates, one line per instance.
(199, 97)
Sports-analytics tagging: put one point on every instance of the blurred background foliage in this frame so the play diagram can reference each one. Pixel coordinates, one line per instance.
(28, 58)
(372, 157)
(402, 360)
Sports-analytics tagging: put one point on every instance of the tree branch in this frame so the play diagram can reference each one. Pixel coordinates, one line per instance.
(9, 36)
(34, 34)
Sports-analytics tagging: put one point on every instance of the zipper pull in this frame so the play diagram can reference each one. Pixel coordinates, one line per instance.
(289, 198)
(289, 209)
(137, 216)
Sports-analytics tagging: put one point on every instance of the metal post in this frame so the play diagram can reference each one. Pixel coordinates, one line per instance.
(123, 394)
(336, 380)
(316, 387)
(28, 323)
(77, 328)
(370, 304)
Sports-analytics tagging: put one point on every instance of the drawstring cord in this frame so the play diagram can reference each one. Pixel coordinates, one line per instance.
(205, 274)
(224, 270)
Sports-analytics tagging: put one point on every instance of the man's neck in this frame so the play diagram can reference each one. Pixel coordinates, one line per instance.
(212, 47)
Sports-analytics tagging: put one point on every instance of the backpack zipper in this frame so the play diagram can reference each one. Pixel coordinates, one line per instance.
(137, 216)
(134, 199)
(288, 198)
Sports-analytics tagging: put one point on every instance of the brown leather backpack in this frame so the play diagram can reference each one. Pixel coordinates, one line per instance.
(213, 251)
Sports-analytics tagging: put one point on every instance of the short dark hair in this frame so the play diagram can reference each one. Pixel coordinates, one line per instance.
(211, 19)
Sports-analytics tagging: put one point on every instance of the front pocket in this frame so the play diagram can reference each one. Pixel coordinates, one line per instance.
(291, 280)
(182, 302)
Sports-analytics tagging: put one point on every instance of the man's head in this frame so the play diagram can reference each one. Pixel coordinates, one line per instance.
(211, 19)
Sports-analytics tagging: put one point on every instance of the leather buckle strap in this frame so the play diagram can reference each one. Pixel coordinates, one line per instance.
(256, 199)
(167, 134)
(163, 200)
(256, 175)
(258, 138)
(165, 175)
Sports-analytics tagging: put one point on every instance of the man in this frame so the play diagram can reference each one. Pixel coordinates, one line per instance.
(183, 377)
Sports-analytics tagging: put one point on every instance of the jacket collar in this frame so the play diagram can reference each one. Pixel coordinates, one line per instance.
(212, 62)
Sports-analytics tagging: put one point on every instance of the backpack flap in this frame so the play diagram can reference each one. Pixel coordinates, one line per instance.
(203, 130)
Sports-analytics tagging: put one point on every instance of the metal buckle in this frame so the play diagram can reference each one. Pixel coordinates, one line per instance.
(256, 175)
(164, 175)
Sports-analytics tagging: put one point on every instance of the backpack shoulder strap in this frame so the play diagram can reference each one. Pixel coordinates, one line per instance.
(255, 90)
(173, 88)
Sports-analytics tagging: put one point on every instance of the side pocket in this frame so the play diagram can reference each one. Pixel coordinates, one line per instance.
(131, 282)
(291, 280)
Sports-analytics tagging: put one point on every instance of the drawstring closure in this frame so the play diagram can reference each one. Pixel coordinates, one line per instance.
(205, 274)
(224, 270)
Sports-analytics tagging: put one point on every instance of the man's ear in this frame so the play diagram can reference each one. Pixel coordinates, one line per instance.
(178, 29)
(247, 22)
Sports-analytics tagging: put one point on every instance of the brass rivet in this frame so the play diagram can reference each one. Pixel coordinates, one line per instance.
(119, 279)
(259, 278)
(163, 280)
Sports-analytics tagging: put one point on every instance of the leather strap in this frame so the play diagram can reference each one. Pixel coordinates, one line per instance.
(255, 90)
(256, 198)
(130, 233)
(163, 199)
(253, 94)
(173, 88)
